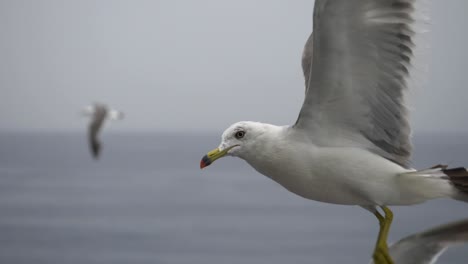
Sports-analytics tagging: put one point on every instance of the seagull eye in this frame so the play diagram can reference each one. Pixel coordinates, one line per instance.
(239, 134)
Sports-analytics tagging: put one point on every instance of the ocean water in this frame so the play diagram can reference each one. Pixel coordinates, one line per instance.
(147, 201)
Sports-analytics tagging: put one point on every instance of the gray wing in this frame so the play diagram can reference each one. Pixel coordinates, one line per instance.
(426, 247)
(99, 115)
(359, 63)
(307, 59)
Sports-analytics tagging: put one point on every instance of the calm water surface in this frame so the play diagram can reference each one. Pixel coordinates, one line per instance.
(146, 201)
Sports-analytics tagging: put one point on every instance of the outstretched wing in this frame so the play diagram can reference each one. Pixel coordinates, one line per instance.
(358, 66)
(115, 115)
(427, 246)
(99, 117)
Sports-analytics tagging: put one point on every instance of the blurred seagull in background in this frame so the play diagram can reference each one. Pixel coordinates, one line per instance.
(427, 246)
(351, 142)
(99, 113)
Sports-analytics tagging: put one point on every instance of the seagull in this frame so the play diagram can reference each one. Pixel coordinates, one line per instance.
(350, 144)
(98, 113)
(427, 246)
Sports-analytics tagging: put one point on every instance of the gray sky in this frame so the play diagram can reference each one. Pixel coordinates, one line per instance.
(191, 65)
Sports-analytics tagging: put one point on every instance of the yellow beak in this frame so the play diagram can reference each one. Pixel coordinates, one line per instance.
(213, 155)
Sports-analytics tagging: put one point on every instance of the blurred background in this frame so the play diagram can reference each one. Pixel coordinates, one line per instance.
(182, 71)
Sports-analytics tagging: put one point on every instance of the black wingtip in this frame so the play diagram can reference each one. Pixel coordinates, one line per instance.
(95, 149)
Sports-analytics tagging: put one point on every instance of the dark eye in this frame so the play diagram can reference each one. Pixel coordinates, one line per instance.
(239, 134)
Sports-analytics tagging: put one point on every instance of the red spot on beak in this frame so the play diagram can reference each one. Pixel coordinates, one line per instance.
(202, 164)
(205, 162)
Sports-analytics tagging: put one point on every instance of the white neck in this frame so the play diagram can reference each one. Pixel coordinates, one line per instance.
(266, 145)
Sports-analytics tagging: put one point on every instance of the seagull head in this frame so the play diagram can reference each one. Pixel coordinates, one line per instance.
(236, 141)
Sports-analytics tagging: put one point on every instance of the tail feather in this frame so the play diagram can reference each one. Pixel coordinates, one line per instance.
(458, 178)
(439, 166)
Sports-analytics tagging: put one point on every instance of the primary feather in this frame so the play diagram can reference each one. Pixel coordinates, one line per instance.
(357, 69)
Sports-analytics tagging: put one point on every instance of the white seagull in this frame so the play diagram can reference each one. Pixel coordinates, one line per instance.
(351, 142)
(426, 247)
(98, 113)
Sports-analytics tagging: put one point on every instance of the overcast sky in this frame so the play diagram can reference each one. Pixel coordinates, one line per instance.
(189, 65)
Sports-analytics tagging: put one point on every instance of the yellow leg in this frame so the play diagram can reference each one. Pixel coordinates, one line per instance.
(381, 255)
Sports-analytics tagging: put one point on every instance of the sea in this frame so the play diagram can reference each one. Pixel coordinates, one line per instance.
(147, 201)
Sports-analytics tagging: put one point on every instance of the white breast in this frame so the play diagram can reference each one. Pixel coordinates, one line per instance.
(350, 176)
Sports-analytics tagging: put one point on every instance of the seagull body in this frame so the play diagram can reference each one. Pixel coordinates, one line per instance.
(351, 142)
(98, 113)
(339, 175)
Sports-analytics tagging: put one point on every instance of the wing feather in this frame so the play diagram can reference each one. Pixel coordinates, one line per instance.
(356, 76)
(427, 246)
